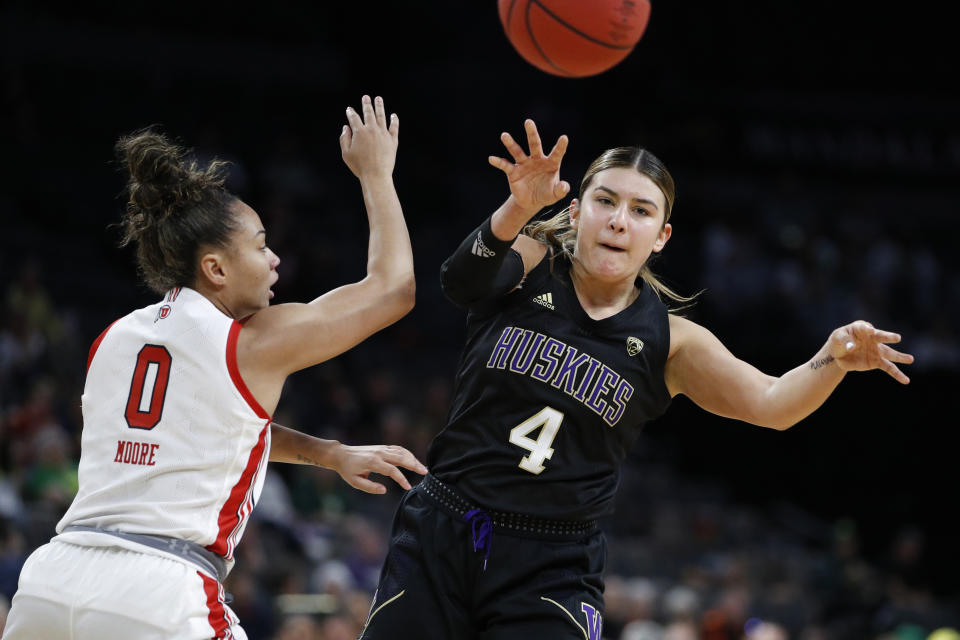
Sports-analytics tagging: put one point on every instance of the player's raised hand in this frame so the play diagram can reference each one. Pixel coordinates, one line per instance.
(858, 346)
(369, 143)
(534, 178)
(356, 463)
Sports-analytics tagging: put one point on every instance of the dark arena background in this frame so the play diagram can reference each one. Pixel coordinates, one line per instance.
(816, 151)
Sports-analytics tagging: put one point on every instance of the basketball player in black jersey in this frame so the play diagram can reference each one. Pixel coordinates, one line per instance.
(570, 350)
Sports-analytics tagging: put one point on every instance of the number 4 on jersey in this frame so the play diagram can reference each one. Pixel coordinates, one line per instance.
(549, 419)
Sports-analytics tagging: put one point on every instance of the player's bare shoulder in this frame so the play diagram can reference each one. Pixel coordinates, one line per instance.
(681, 330)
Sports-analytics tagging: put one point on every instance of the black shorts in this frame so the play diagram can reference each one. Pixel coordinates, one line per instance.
(532, 581)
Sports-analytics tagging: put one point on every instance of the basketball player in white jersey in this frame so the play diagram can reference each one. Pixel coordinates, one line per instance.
(178, 397)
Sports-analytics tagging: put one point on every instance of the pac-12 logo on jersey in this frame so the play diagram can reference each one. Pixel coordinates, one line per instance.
(163, 312)
(634, 346)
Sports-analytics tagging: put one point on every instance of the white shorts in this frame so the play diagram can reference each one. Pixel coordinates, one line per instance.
(106, 593)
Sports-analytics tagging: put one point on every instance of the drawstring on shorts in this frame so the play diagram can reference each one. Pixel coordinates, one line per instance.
(482, 527)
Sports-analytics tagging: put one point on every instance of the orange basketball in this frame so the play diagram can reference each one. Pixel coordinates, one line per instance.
(574, 38)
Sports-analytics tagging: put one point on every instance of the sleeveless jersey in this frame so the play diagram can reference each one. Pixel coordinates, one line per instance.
(548, 401)
(173, 442)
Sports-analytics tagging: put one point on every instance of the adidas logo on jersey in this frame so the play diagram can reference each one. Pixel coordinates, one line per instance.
(634, 346)
(545, 300)
(480, 249)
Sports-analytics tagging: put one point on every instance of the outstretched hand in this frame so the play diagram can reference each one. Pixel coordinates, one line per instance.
(355, 464)
(535, 178)
(860, 347)
(369, 144)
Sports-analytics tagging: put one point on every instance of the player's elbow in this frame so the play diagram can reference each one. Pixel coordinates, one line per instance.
(781, 425)
(407, 294)
(398, 296)
(778, 422)
(767, 417)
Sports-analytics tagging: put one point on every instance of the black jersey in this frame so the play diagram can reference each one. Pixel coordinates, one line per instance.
(548, 401)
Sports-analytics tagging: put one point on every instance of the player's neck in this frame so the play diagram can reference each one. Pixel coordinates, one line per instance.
(602, 299)
(216, 297)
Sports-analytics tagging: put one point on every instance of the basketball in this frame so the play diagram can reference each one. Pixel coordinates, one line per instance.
(574, 38)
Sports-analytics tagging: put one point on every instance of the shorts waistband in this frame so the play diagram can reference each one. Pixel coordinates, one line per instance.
(192, 552)
(448, 499)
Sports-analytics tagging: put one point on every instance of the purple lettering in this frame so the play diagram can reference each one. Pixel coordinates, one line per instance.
(586, 379)
(619, 401)
(529, 355)
(552, 349)
(567, 373)
(498, 357)
(605, 381)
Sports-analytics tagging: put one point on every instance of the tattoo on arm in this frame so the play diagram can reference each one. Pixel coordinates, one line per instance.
(822, 362)
(305, 460)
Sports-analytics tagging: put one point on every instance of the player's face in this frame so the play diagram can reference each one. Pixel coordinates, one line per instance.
(252, 266)
(619, 223)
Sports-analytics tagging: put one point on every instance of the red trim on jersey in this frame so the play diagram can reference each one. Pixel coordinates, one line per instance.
(218, 615)
(96, 345)
(173, 293)
(230, 515)
(235, 371)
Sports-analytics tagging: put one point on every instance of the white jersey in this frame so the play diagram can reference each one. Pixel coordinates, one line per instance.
(173, 442)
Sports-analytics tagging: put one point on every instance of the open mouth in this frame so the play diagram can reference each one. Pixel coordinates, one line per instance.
(612, 248)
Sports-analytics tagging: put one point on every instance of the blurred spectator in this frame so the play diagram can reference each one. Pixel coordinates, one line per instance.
(765, 630)
(299, 627)
(52, 476)
(13, 553)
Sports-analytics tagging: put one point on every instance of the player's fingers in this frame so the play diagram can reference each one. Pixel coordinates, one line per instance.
(402, 457)
(367, 105)
(559, 148)
(501, 164)
(379, 111)
(386, 469)
(887, 337)
(862, 329)
(353, 119)
(514, 149)
(364, 484)
(346, 137)
(895, 356)
(561, 189)
(394, 125)
(894, 371)
(533, 138)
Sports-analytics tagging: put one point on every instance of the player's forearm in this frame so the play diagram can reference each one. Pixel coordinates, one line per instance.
(288, 445)
(390, 256)
(801, 391)
(509, 220)
(481, 268)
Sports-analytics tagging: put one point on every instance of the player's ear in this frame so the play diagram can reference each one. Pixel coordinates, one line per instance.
(661, 241)
(213, 268)
(574, 213)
